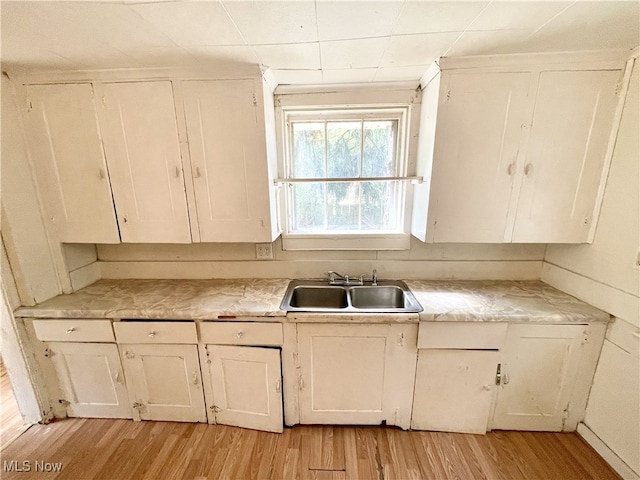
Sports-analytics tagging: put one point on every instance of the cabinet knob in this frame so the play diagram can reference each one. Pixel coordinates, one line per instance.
(71, 330)
(197, 175)
(151, 334)
(511, 168)
(487, 387)
(240, 334)
(528, 168)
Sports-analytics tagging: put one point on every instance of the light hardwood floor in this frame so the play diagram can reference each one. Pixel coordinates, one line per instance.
(11, 424)
(91, 449)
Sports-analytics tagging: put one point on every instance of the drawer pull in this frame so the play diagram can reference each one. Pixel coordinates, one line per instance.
(71, 330)
(240, 334)
(151, 334)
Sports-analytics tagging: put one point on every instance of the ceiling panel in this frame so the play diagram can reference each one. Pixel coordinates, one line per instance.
(351, 20)
(422, 49)
(192, 23)
(432, 17)
(292, 55)
(345, 54)
(395, 74)
(518, 15)
(297, 77)
(274, 22)
(489, 42)
(353, 75)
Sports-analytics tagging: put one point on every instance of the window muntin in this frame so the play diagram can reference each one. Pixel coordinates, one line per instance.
(346, 171)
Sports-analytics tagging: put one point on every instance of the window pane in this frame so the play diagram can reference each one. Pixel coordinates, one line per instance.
(343, 149)
(378, 206)
(343, 201)
(378, 149)
(309, 206)
(308, 150)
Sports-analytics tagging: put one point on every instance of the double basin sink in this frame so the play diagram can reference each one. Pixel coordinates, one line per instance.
(318, 296)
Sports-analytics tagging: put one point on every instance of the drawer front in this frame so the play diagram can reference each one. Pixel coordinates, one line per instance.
(462, 335)
(155, 332)
(74, 330)
(241, 333)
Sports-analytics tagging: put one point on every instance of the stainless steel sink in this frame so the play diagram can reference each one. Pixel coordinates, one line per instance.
(317, 296)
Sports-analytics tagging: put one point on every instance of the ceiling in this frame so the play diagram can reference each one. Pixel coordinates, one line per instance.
(303, 42)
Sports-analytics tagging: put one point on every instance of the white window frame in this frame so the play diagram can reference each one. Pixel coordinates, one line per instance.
(361, 240)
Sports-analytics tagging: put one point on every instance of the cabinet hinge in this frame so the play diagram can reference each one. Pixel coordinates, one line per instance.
(48, 353)
(448, 97)
(29, 105)
(498, 374)
(141, 407)
(215, 408)
(64, 403)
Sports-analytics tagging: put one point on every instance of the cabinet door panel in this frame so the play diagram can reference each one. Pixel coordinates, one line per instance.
(91, 379)
(476, 148)
(69, 163)
(138, 122)
(225, 125)
(454, 390)
(246, 386)
(540, 364)
(565, 157)
(356, 374)
(165, 380)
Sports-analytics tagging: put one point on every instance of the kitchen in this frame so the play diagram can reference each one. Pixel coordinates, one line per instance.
(86, 66)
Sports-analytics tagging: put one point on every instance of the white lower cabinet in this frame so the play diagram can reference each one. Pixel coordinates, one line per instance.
(356, 374)
(454, 390)
(243, 386)
(90, 379)
(164, 382)
(540, 367)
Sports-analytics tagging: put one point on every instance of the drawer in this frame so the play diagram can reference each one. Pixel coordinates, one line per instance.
(241, 333)
(155, 332)
(74, 330)
(462, 335)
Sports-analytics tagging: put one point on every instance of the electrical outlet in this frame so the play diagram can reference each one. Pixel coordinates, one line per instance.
(264, 251)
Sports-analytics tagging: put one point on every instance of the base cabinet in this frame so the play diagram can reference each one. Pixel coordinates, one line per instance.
(164, 382)
(356, 374)
(91, 380)
(243, 386)
(454, 390)
(541, 365)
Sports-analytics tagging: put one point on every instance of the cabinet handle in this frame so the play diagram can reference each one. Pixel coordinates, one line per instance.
(118, 377)
(278, 386)
(71, 330)
(505, 379)
(511, 168)
(528, 168)
(487, 387)
(151, 334)
(240, 334)
(300, 382)
(196, 379)
(177, 172)
(101, 174)
(197, 172)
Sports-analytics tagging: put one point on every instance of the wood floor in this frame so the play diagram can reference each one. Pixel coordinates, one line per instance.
(11, 424)
(91, 449)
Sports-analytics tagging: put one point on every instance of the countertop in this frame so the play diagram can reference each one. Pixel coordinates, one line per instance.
(442, 300)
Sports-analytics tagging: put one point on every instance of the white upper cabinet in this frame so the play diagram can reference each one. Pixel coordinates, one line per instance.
(566, 154)
(229, 159)
(515, 153)
(138, 124)
(478, 134)
(69, 164)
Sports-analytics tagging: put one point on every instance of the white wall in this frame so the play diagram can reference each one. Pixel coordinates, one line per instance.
(458, 261)
(605, 274)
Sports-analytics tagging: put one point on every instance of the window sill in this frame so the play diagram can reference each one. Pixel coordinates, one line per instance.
(390, 241)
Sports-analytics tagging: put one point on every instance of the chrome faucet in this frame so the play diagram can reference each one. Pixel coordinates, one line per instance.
(374, 279)
(336, 279)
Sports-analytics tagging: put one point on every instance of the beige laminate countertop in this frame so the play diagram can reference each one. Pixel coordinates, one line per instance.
(442, 300)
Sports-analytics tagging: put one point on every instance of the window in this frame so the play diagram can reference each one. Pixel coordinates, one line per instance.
(345, 172)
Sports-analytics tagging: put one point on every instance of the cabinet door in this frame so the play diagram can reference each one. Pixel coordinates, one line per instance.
(565, 158)
(540, 364)
(454, 390)
(164, 382)
(66, 150)
(356, 374)
(245, 387)
(138, 122)
(476, 149)
(227, 144)
(91, 379)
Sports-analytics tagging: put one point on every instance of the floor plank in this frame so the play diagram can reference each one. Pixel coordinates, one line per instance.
(93, 449)
(11, 423)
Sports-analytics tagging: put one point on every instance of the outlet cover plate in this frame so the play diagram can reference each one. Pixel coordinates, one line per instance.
(264, 251)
